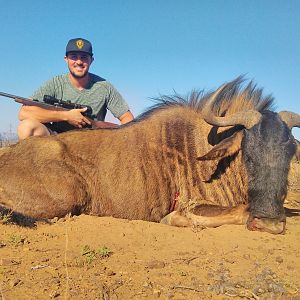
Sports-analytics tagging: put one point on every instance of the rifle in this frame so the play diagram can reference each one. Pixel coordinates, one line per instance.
(50, 102)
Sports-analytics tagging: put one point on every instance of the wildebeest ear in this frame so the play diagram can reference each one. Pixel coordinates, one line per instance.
(227, 147)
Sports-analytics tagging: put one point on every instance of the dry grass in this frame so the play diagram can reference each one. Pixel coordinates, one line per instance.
(293, 196)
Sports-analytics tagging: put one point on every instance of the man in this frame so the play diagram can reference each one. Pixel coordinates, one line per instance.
(78, 86)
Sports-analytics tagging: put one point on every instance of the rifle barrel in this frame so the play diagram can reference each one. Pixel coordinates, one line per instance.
(12, 96)
(57, 104)
(31, 102)
(16, 97)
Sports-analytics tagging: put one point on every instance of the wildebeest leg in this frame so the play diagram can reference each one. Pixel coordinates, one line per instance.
(216, 217)
(54, 189)
(176, 218)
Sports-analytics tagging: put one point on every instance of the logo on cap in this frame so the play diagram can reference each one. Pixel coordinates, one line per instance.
(80, 44)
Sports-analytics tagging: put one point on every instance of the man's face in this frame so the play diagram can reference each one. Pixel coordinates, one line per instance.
(78, 63)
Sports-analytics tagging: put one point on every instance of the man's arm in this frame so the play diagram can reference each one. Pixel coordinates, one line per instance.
(42, 115)
(127, 117)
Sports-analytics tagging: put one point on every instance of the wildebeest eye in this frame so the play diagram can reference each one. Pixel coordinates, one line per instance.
(247, 158)
(290, 140)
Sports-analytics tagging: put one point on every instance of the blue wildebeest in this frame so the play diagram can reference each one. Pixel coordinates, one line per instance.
(225, 150)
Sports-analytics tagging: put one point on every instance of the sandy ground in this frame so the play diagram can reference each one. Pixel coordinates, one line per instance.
(89, 257)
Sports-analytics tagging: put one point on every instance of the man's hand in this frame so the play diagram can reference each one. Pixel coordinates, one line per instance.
(76, 118)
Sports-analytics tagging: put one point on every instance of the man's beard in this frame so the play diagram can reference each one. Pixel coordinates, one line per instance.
(82, 75)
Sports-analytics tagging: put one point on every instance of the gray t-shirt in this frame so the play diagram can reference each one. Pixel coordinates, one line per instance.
(100, 95)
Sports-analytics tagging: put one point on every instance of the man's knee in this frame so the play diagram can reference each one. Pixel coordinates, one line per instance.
(31, 127)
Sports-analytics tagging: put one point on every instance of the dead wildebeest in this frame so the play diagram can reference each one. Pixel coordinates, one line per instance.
(225, 150)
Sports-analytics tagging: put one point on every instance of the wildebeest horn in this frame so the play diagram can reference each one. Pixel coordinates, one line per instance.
(246, 118)
(290, 118)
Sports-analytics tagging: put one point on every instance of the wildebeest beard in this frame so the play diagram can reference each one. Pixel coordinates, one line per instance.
(263, 147)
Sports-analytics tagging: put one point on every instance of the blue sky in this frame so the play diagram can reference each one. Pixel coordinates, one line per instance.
(152, 47)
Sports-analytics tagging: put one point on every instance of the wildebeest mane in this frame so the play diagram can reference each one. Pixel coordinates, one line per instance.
(233, 98)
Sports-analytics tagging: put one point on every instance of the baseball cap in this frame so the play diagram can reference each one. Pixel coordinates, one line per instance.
(79, 45)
